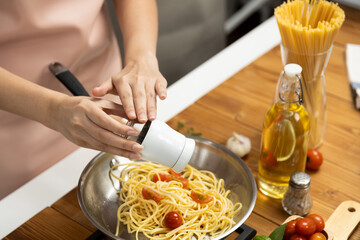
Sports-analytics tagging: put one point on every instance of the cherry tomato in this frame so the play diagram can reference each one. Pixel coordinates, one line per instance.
(151, 194)
(268, 159)
(172, 172)
(170, 177)
(305, 226)
(314, 159)
(163, 177)
(200, 197)
(317, 236)
(173, 220)
(297, 237)
(183, 180)
(318, 220)
(290, 229)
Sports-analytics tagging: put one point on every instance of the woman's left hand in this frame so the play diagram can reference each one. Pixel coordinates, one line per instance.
(137, 85)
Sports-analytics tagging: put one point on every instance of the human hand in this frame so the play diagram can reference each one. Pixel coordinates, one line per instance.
(137, 85)
(87, 122)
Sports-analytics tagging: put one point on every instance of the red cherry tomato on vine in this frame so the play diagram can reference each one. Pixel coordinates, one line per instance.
(318, 220)
(314, 159)
(173, 220)
(317, 236)
(200, 197)
(297, 237)
(290, 229)
(151, 194)
(305, 227)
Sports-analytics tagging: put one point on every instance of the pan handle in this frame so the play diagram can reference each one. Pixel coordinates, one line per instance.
(246, 232)
(68, 79)
(97, 235)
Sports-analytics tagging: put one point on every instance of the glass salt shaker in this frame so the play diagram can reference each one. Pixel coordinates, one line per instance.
(297, 199)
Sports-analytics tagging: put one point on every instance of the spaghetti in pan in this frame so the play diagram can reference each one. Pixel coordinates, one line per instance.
(164, 205)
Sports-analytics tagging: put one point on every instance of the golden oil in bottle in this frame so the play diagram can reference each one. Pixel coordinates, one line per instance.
(285, 133)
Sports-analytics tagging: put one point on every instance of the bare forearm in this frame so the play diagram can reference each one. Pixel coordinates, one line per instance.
(80, 119)
(139, 26)
(26, 99)
(140, 81)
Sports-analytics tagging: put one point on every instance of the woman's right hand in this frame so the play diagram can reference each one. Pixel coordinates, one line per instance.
(86, 122)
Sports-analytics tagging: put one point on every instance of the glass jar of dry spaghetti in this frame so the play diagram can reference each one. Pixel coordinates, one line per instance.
(314, 92)
(308, 29)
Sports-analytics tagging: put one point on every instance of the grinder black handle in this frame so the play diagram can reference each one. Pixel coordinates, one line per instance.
(68, 79)
(246, 232)
(73, 84)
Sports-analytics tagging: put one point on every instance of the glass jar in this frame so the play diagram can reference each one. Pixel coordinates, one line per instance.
(313, 81)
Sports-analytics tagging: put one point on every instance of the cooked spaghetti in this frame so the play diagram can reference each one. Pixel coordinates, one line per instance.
(146, 216)
(308, 30)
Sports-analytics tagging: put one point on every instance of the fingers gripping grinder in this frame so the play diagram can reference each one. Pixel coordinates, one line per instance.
(161, 143)
(165, 146)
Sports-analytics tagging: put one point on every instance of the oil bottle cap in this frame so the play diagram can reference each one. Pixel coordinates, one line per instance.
(292, 69)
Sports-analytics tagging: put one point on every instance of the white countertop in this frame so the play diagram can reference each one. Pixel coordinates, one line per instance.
(49, 186)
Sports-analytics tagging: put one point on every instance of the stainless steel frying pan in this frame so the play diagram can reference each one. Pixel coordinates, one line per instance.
(99, 200)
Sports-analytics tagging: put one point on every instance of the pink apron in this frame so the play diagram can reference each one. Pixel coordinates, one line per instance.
(34, 33)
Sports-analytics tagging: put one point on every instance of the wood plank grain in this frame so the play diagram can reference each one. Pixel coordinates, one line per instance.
(69, 206)
(257, 222)
(350, 31)
(50, 224)
(356, 234)
(262, 225)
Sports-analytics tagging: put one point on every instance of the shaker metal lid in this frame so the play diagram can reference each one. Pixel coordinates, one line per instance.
(300, 180)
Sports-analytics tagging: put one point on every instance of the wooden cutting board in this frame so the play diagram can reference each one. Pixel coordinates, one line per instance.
(343, 220)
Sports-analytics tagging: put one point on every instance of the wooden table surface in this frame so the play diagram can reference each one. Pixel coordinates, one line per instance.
(240, 104)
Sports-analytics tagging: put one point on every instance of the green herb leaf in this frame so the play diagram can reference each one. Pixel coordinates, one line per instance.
(180, 126)
(190, 131)
(278, 233)
(261, 237)
(199, 134)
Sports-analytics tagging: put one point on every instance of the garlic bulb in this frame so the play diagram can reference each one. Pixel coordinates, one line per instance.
(239, 144)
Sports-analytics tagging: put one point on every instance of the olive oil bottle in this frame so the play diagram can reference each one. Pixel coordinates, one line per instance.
(285, 133)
